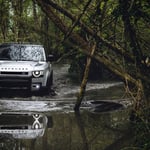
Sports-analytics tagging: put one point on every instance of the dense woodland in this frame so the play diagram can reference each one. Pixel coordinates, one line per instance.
(119, 29)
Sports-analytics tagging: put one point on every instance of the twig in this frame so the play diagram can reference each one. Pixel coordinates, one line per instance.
(78, 19)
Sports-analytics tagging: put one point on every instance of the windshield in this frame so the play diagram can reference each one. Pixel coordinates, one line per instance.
(22, 53)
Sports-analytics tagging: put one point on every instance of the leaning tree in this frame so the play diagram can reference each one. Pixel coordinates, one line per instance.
(120, 30)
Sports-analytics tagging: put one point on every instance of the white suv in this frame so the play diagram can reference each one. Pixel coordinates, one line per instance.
(25, 66)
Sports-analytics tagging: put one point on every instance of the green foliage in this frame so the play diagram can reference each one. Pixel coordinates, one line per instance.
(123, 23)
(141, 130)
(23, 21)
(142, 135)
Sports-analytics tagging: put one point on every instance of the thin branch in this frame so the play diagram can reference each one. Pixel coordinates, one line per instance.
(77, 20)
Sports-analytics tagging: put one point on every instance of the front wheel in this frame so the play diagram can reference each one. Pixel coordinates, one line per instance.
(51, 78)
(49, 84)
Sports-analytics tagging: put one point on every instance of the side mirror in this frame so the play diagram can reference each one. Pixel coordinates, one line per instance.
(50, 58)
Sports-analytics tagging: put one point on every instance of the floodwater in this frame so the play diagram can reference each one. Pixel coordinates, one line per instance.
(69, 131)
(37, 122)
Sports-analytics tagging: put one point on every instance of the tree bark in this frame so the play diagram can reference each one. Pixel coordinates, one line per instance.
(84, 80)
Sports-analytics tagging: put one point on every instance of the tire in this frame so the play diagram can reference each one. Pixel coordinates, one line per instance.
(49, 84)
(51, 78)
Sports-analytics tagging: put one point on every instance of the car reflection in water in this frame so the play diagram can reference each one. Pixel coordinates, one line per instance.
(22, 125)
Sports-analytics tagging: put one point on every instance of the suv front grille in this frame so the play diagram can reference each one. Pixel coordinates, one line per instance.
(14, 73)
(14, 127)
(15, 81)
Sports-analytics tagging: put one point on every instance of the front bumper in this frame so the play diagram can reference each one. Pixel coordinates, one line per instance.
(10, 82)
(26, 82)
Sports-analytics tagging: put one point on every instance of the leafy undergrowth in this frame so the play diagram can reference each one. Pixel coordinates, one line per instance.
(141, 128)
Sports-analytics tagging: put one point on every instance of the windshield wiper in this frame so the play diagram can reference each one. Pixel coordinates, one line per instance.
(27, 60)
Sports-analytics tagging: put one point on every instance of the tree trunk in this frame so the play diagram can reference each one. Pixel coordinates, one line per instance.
(4, 19)
(84, 81)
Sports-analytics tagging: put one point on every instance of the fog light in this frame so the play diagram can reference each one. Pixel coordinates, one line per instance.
(37, 86)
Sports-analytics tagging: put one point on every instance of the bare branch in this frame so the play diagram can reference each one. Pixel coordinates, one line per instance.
(77, 20)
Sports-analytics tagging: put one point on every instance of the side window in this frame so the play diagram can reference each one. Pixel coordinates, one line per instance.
(4, 53)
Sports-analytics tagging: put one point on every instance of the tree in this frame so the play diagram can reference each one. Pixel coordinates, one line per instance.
(125, 54)
(4, 19)
(18, 19)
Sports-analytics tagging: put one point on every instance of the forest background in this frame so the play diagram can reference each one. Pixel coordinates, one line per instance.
(119, 30)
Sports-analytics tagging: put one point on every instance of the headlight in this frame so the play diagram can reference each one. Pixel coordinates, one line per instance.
(37, 74)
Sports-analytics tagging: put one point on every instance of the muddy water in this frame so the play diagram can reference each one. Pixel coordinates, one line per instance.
(102, 124)
(70, 131)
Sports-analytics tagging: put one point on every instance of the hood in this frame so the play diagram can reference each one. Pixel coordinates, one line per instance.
(21, 65)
